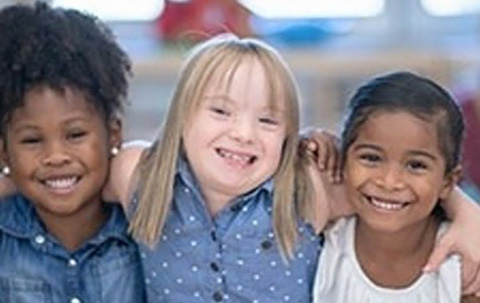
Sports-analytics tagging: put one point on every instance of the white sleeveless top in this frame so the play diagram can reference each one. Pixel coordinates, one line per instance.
(340, 278)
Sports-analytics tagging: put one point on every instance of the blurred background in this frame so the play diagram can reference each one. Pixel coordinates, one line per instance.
(332, 46)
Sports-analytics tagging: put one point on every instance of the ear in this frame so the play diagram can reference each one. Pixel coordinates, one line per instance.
(115, 133)
(450, 180)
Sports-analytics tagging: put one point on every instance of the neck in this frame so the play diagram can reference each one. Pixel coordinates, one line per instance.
(215, 201)
(73, 231)
(395, 259)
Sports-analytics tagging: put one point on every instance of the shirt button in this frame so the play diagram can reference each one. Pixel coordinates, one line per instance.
(75, 300)
(214, 266)
(214, 236)
(266, 245)
(40, 239)
(217, 296)
(72, 263)
(236, 208)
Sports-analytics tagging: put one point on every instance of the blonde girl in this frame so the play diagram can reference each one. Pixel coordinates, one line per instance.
(214, 202)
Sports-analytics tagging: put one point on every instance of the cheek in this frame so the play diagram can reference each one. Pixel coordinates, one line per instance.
(20, 161)
(187, 142)
(277, 145)
(430, 188)
(353, 174)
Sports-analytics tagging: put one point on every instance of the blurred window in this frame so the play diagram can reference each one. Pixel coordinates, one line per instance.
(451, 7)
(305, 9)
(116, 10)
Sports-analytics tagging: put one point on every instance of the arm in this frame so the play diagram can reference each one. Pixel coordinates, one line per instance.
(470, 299)
(122, 168)
(463, 237)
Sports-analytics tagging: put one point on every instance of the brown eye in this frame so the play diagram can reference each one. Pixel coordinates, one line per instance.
(219, 111)
(372, 158)
(269, 121)
(31, 140)
(416, 165)
(75, 135)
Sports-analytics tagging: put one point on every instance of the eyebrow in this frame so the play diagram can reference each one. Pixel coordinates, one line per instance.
(410, 152)
(23, 127)
(275, 110)
(28, 126)
(366, 145)
(221, 97)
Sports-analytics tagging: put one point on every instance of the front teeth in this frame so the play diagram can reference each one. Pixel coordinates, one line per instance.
(64, 183)
(243, 159)
(386, 205)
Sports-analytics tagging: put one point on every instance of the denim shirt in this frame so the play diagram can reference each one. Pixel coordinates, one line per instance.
(232, 257)
(35, 268)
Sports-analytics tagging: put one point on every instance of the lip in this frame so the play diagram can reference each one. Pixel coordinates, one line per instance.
(385, 205)
(236, 158)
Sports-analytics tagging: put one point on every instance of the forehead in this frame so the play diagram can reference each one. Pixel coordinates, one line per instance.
(400, 131)
(248, 81)
(46, 104)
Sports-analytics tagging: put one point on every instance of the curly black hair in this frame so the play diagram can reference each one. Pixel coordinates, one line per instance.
(59, 48)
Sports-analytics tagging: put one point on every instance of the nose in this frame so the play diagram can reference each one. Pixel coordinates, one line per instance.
(390, 178)
(243, 129)
(55, 154)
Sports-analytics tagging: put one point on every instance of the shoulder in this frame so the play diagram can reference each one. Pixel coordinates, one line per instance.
(339, 232)
(331, 265)
(17, 215)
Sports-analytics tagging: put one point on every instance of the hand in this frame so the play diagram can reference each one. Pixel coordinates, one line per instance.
(323, 145)
(462, 238)
(330, 200)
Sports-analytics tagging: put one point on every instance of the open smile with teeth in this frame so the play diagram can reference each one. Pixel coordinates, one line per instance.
(61, 184)
(241, 159)
(386, 205)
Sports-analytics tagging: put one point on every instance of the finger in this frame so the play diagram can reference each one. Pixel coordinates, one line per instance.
(440, 252)
(338, 161)
(332, 157)
(470, 280)
(332, 164)
(322, 154)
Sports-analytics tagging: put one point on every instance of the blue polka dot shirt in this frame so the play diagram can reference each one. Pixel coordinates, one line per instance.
(232, 257)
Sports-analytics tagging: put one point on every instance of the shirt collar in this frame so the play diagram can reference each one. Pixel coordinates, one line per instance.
(19, 218)
(185, 173)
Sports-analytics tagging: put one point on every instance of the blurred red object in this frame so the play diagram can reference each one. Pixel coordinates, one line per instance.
(200, 19)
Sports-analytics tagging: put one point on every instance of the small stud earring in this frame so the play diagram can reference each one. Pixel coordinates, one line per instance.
(6, 170)
(114, 151)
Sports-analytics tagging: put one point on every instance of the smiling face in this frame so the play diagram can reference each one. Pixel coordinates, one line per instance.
(395, 171)
(234, 140)
(57, 146)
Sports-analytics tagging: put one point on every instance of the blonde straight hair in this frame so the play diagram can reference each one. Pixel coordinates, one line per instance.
(156, 174)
